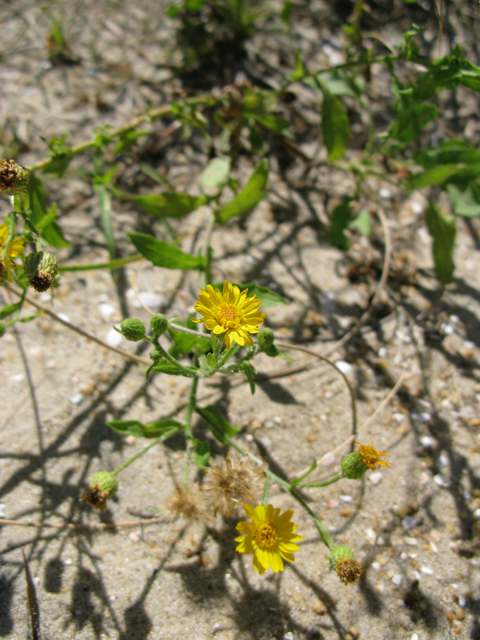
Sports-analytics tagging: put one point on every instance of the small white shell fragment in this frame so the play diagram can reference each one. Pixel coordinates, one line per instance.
(418, 207)
(76, 398)
(149, 299)
(289, 636)
(412, 542)
(68, 562)
(346, 498)
(64, 317)
(106, 310)
(375, 477)
(397, 579)
(376, 566)
(476, 514)
(447, 329)
(462, 601)
(442, 461)
(427, 442)
(382, 352)
(371, 535)
(399, 417)
(2, 509)
(113, 338)
(433, 546)
(344, 366)
(441, 481)
(427, 571)
(385, 193)
(328, 460)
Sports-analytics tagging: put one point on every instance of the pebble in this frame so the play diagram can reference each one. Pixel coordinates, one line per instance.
(450, 616)
(385, 193)
(459, 613)
(64, 317)
(397, 579)
(106, 310)
(417, 207)
(113, 338)
(76, 398)
(476, 514)
(149, 299)
(256, 425)
(87, 388)
(427, 571)
(399, 417)
(412, 542)
(133, 536)
(67, 562)
(441, 481)
(371, 535)
(462, 601)
(346, 498)
(266, 442)
(427, 442)
(319, 608)
(409, 522)
(2, 509)
(328, 460)
(289, 636)
(376, 566)
(344, 366)
(375, 477)
(130, 440)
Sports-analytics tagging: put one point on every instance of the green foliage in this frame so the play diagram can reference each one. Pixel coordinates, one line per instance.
(50, 229)
(162, 254)
(218, 425)
(335, 126)
(165, 427)
(201, 453)
(249, 196)
(341, 219)
(187, 342)
(442, 229)
(60, 156)
(169, 205)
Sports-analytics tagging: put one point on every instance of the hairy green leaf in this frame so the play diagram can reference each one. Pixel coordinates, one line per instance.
(201, 453)
(335, 126)
(216, 173)
(465, 197)
(249, 196)
(170, 205)
(162, 254)
(341, 220)
(443, 231)
(141, 430)
(218, 425)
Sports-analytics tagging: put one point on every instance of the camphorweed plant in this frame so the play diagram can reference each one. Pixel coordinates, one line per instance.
(242, 118)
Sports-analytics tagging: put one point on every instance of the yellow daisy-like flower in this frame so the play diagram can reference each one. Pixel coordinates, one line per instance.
(270, 537)
(371, 456)
(230, 313)
(15, 248)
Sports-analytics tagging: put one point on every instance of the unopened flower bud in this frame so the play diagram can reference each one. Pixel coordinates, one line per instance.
(103, 485)
(156, 354)
(353, 466)
(266, 338)
(14, 179)
(158, 324)
(133, 329)
(41, 269)
(273, 351)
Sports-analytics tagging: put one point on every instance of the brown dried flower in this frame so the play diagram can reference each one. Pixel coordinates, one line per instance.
(232, 483)
(96, 497)
(348, 570)
(14, 179)
(187, 503)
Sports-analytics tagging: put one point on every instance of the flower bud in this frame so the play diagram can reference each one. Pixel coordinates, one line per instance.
(14, 179)
(341, 552)
(158, 324)
(103, 485)
(133, 329)
(273, 351)
(156, 354)
(265, 338)
(353, 466)
(41, 269)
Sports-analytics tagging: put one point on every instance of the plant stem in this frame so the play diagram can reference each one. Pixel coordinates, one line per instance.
(113, 264)
(140, 453)
(336, 478)
(192, 399)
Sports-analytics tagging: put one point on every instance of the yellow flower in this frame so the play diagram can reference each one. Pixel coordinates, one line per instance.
(270, 537)
(230, 312)
(15, 248)
(371, 456)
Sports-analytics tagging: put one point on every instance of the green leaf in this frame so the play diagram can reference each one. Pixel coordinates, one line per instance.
(52, 231)
(187, 342)
(341, 220)
(410, 121)
(465, 197)
(9, 309)
(437, 175)
(60, 156)
(140, 430)
(449, 152)
(168, 368)
(201, 453)
(169, 205)
(162, 254)
(249, 196)
(220, 428)
(268, 297)
(216, 173)
(443, 231)
(335, 126)
(363, 223)
(106, 217)
(294, 483)
(299, 71)
(249, 370)
(336, 83)
(286, 12)
(447, 73)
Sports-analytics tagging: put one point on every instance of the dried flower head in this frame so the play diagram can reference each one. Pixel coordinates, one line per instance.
(230, 313)
(371, 456)
(348, 570)
(41, 268)
(231, 483)
(96, 497)
(187, 503)
(14, 179)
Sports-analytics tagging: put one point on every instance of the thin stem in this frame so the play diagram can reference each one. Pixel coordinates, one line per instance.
(113, 264)
(336, 478)
(167, 434)
(192, 400)
(266, 490)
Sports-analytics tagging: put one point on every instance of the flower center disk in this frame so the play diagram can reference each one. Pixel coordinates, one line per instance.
(266, 536)
(228, 315)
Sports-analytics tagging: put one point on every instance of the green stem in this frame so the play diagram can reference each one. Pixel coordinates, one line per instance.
(191, 372)
(336, 478)
(192, 399)
(113, 264)
(266, 490)
(228, 354)
(140, 453)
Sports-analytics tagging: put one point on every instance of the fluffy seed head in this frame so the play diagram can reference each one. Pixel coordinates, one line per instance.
(231, 483)
(187, 503)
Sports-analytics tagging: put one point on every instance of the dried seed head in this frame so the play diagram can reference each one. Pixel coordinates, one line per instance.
(40, 269)
(231, 483)
(103, 485)
(14, 179)
(187, 503)
(348, 570)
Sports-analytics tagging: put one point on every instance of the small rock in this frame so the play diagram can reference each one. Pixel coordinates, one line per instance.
(328, 460)
(266, 442)
(450, 616)
(319, 608)
(427, 442)
(106, 310)
(375, 477)
(64, 317)
(385, 193)
(354, 631)
(376, 566)
(344, 366)
(459, 613)
(427, 571)
(149, 299)
(2, 509)
(256, 425)
(130, 440)
(462, 601)
(397, 579)
(113, 338)
(412, 542)
(289, 636)
(409, 522)
(133, 536)
(346, 498)
(476, 514)
(76, 398)
(441, 481)
(87, 388)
